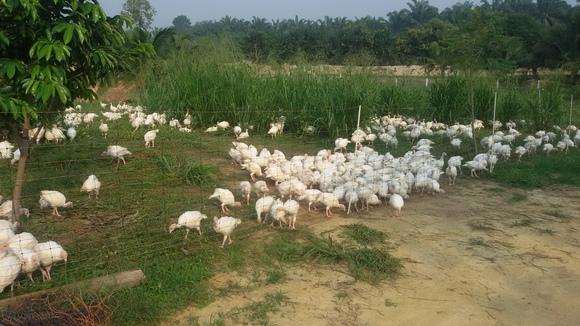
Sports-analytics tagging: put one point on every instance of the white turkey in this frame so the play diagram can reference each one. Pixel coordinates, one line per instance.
(226, 226)
(6, 150)
(150, 138)
(223, 125)
(53, 199)
(117, 152)
(188, 220)
(311, 196)
(92, 186)
(71, 133)
(22, 240)
(340, 144)
(15, 157)
(273, 131)
(226, 198)
(7, 229)
(291, 207)
(246, 190)
(397, 203)
(243, 135)
(6, 210)
(9, 270)
(49, 253)
(261, 188)
(263, 206)
(104, 128)
(329, 200)
(237, 131)
(29, 260)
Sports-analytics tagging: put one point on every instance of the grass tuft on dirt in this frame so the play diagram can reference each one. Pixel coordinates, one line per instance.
(257, 313)
(363, 234)
(367, 264)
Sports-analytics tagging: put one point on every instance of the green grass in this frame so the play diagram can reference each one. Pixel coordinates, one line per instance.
(540, 170)
(363, 234)
(367, 264)
(126, 228)
(257, 313)
(275, 276)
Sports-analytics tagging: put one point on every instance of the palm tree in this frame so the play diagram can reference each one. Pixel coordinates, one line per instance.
(421, 11)
(399, 20)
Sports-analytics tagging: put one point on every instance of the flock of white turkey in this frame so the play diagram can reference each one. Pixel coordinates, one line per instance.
(336, 178)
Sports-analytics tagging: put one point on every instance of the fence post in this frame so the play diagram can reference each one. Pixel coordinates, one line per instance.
(494, 108)
(358, 120)
(571, 106)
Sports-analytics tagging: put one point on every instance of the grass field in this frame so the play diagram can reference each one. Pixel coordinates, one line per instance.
(126, 227)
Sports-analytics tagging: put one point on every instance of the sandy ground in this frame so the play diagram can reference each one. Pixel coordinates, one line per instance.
(471, 257)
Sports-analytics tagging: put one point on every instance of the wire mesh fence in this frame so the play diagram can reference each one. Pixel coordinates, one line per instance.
(126, 227)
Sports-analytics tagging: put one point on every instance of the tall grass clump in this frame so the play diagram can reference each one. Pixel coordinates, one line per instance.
(448, 98)
(215, 87)
(511, 103)
(546, 107)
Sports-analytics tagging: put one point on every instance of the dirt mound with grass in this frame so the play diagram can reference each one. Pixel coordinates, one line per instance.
(479, 255)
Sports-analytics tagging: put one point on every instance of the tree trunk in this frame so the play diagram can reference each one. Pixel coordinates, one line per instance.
(24, 146)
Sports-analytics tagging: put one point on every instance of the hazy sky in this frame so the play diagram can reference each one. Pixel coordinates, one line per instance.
(198, 10)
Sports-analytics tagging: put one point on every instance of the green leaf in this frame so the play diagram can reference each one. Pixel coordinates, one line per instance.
(4, 40)
(62, 93)
(58, 54)
(68, 34)
(10, 70)
(49, 52)
(80, 34)
(60, 28)
(41, 53)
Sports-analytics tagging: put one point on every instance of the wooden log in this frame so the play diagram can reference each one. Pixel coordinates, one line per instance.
(104, 283)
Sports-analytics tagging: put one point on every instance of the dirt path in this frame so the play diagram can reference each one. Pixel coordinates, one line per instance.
(478, 255)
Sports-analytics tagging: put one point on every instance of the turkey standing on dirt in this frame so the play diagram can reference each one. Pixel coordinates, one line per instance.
(397, 202)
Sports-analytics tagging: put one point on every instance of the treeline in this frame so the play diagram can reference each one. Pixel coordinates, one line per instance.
(500, 33)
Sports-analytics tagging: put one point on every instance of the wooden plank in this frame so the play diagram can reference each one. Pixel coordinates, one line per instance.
(110, 282)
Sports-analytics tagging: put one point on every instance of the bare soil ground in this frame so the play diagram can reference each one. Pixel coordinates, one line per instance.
(478, 255)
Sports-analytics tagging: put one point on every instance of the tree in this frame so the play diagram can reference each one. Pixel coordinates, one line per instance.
(480, 43)
(141, 11)
(420, 11)
(421, 44)
(51, 53)
(181, 24)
